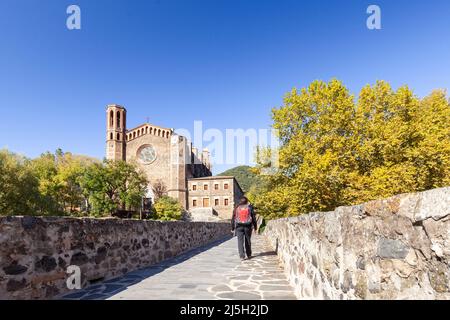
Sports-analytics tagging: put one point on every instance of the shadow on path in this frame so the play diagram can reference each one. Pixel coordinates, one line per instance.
(108, 288)
(264, 254)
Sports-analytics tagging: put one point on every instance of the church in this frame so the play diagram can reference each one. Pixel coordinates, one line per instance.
(169, 161)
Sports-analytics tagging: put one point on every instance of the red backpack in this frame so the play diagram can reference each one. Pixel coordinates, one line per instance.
(243, 215)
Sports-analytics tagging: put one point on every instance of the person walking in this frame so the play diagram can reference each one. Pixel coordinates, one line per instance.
(242, 223)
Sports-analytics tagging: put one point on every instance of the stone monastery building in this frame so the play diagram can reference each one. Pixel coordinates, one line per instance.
(171, 160)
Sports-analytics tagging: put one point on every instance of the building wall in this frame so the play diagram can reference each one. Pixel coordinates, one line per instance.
(35, 252)
(232, 195)
(172, 165)
(115, 132)
(160, 169)
(178, 164)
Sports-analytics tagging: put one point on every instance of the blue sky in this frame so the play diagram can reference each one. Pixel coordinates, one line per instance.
(225, 62)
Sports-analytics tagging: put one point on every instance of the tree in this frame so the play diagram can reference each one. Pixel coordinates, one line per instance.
(44, 169)
(59, 184)
(113, 185)
(433, 148)
(168, 209)
(19, 189)
(70, 170)
(337, 151)
(58, 175)
(159, 189)
(315, 127)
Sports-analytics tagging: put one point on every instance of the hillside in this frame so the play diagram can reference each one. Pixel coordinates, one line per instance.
(243, 175)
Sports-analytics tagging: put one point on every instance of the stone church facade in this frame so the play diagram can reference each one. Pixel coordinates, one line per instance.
(170, 160)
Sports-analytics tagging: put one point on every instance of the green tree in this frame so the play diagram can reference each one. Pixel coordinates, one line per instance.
(168, 209)
(60, 183)
(113, 185)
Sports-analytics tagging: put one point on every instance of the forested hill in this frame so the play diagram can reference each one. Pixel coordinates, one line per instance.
(243, 175)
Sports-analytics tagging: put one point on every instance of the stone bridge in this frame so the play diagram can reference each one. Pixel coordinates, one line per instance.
(210, 272)
(397, 248)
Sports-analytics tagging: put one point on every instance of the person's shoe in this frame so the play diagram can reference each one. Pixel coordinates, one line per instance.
(249, 257)
(242, 259)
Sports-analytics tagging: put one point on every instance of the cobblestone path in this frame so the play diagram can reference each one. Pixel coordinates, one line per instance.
(208, 273)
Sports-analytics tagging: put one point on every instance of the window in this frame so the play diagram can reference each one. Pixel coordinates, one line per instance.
(111, 136)
(225, 202)
(225, 186)
(118, 119)
(194, 203)
(205, 187)
(216, 186)
(194, 187)
(216, 202)
(205, 202)
(111, 119)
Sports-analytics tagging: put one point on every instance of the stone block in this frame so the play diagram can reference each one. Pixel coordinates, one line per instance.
(392, 249)
(433, 204)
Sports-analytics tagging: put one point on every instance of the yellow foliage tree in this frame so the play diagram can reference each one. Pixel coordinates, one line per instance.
(337, 151)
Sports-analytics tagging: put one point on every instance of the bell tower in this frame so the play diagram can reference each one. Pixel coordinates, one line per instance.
(116, 124)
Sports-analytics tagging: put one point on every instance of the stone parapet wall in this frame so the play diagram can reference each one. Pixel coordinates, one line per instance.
(397, 248)
(35, 252)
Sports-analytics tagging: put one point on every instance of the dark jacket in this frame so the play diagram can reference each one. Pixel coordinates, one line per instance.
(252, 212)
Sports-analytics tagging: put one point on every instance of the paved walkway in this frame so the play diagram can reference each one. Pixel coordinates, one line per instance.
(207, 273)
